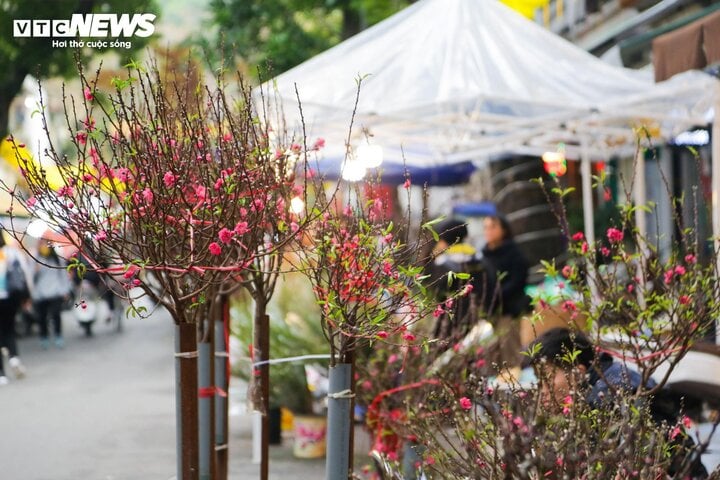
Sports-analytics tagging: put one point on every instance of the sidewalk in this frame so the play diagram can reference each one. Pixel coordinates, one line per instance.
(283, 465)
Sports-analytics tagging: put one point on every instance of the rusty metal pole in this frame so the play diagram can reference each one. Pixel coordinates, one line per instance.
(221, 382)
(186, 358)
(261, 354)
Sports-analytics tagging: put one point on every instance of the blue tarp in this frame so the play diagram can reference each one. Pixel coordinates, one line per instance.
(477, 209)
(395, 173)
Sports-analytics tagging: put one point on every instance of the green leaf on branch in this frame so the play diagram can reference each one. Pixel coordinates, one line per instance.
(429, 227)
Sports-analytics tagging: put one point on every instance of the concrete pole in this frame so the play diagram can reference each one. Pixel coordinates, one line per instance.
(204, 409)
(339, 424)
(221, 381)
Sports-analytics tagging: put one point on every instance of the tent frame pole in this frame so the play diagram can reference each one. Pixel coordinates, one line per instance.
(640, 198)
(588, 213)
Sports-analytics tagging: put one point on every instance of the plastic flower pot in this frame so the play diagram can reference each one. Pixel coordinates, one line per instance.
(310, 432)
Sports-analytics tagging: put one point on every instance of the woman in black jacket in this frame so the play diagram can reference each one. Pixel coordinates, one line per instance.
(509, 301)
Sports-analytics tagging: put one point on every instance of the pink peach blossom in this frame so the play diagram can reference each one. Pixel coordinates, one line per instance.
(215, 249)
(226, 235)
(614, 235)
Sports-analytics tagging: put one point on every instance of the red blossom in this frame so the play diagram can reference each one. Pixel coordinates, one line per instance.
(407, 184)
(465, 403)
(684, 299)
(382, 334)
(122, 174)
(148, 195)
(88, 94)
(614, 235)
(567, 271)
(605, 251)
(131, 271)
(438, 311)
(680, 270)
(408, 337)
(578, 237)
(386, 267)
(241, 228)
(319, 143)
(569, 306)
(584, 247)
(226, 235)
(81, 137)
(690, 258)
(214, 248)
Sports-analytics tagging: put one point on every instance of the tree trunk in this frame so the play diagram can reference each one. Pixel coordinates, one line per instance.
(261, 353)
(352, 21)
(187, 385)
(221, 381)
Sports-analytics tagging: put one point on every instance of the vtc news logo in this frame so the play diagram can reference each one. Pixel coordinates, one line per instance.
(100, 25)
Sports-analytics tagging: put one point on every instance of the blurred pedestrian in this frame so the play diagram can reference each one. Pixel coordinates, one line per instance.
(13, 290)
(52, 286)
(510, 300)
(566, 361)
(453, 254)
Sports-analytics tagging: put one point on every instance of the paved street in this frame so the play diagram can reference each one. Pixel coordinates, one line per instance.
(103, 409)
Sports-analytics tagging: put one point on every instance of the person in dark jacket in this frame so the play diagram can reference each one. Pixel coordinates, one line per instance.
(565, 359)
(509, 301)
(510, 264)
(452, 254)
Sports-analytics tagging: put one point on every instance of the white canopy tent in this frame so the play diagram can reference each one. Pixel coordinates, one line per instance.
(448, 81)
(457, 80)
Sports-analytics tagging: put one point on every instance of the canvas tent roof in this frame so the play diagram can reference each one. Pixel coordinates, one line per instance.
(448, 81)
